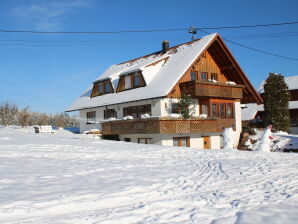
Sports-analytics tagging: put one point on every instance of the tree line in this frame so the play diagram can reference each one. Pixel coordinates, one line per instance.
(11, 114)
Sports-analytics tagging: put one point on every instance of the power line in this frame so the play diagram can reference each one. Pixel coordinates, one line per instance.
(90, 32)
(265, 35)
(254, 49)
(250, 26)
(146, 31)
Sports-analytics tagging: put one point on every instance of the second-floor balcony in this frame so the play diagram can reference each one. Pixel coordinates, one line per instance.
(166, 125)
(209, 89)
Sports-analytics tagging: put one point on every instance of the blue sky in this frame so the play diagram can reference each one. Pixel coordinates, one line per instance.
(49, 71)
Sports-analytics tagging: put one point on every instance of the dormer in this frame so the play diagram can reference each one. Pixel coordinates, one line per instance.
(131, 80)
(101, 87)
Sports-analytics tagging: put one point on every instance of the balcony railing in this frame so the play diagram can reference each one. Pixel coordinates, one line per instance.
(166, 125)
(210, 89)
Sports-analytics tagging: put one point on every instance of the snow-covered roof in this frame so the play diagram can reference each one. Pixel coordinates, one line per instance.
(160, 71)
(292, 82)
(250, 110)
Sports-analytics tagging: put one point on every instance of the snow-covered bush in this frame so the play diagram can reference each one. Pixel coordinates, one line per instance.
(144, 116)
(203, 116)
(128, 117)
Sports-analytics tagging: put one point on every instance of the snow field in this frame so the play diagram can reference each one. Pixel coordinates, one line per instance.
(68, 178)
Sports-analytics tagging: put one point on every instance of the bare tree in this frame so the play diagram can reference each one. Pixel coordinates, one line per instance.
(60, 120)
(24, 117)
(8, 113)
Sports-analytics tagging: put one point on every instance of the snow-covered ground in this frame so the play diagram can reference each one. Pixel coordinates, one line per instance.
(72, 178)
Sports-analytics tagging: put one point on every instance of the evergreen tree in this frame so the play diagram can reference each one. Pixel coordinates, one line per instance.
(184, 104)
(276, 103)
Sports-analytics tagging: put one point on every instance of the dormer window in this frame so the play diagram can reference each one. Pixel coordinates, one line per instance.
(137, 80)
(102, 87)
(131, 80)
(127, 81)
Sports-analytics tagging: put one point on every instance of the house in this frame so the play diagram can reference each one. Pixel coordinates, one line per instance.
(137, 100)
(251, 111)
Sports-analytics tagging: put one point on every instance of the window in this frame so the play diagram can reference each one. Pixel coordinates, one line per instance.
(222, 110)
(181, 141)
(127, 139)
(91, 116)
(100, 88)
(110, 113)
(214, 76)
(127, 82)
(108, 87)
(214, 110)
(204, 76)
(230, 112)
(175, 108)
(136, 80)
(193, 75)
(137, 111)
(204, 109)
(130, 81)
(145, 140)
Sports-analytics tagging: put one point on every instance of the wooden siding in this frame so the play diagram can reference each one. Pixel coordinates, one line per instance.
(166, 126)
(202, 64)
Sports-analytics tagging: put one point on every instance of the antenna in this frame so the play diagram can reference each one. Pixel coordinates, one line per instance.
(193, 30)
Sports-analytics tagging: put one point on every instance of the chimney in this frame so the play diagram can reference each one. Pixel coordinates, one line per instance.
(165, 46)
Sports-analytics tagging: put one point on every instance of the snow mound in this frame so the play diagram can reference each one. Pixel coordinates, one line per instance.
(229, 138)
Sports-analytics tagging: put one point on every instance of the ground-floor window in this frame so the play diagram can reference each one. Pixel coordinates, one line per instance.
(181, 141)
(127, 139)
(145, 140)
(91, 117)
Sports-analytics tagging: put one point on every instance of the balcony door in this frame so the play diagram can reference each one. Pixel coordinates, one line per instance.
(206, 141)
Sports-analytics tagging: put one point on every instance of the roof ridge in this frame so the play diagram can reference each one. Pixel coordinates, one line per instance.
(171, 48)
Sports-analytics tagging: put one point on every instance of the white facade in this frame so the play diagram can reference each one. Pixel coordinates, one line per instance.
(162, 107)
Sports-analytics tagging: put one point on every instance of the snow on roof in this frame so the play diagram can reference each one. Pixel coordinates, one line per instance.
(251, 109)
(292, 82)
(160, 71)
(292, 105)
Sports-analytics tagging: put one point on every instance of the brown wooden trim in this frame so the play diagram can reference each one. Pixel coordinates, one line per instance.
(95, 92)
(121, 83)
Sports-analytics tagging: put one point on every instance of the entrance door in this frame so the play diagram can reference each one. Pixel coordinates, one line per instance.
(206, 140)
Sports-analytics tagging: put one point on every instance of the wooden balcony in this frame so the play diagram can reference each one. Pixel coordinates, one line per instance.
(213, 90)
(166, 125)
